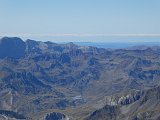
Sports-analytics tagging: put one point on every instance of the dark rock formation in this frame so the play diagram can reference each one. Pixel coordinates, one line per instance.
(55, 116)
(12, 47)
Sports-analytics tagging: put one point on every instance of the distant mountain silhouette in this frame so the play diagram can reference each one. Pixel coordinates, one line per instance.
(12, 47)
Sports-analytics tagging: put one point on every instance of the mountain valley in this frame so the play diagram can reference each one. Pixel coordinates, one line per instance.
(46, 80)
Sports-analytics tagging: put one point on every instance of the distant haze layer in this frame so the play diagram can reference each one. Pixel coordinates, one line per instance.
(99, 39)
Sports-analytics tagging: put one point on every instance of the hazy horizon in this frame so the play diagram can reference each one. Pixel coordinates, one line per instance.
(94, 39)
(80, 20)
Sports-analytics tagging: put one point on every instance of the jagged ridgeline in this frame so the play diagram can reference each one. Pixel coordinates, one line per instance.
(44, 80)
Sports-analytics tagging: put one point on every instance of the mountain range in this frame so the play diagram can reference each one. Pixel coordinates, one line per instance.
(50, 81)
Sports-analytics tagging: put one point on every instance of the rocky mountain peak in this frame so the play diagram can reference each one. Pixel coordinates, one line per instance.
(12, 47)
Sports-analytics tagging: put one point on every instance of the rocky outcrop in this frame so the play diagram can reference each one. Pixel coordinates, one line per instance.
(139, 106)
(10, 115)
(56, 116)
(130, 98)
(106, 113)
(123, 98)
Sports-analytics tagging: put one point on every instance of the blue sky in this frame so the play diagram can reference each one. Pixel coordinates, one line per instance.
(51, 18)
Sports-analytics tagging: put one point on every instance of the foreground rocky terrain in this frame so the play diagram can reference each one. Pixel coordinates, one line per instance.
(144, 106)
(45, 80)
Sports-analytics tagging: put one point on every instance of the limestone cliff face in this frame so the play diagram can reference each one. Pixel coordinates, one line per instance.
(139, 106)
